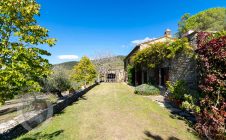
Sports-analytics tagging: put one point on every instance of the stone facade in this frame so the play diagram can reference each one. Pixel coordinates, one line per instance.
(114, 75)
(180, 68)
(183, 68)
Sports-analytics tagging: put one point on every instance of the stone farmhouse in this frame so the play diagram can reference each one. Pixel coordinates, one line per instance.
(179, 68)
(113, 75)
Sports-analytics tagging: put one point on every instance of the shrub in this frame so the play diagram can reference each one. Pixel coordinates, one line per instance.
(190, 103)
(182, 96)
(177, 89)
(212, 84)
(146, 89)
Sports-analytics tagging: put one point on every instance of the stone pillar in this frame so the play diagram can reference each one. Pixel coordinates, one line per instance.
(135, 76)
(160, 77)
(142, 75)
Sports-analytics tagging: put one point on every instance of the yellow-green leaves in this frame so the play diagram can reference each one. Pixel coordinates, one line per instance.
(84, 71)
(22, 65)
(156, 53)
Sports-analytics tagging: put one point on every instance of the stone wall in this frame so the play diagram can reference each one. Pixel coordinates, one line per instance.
(183, 68)
(15, 128)
(119, 73)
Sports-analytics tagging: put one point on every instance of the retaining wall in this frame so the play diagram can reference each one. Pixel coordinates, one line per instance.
(15, 128)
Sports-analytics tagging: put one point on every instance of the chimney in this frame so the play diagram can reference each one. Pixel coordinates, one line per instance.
(168, 33)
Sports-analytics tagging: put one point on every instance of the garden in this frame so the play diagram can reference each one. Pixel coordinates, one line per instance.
(39, 100)
(207, 102)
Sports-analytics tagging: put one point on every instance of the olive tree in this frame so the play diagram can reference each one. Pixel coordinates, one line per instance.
(57, 82)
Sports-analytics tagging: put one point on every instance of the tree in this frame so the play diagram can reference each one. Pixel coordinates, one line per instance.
(84, 71)
(104, 62)
(182, 26)
(57, 82)
(209, 20)
(21, 61)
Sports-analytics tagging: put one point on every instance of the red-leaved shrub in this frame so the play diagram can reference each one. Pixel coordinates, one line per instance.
(212, 71)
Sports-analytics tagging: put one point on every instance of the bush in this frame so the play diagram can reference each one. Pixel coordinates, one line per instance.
(212, 84)
(177, 90)
(146, 89)
(182, 96)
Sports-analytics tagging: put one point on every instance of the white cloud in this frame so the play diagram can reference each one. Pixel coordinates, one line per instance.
(124, 46)
(136, 42)
(68, 57)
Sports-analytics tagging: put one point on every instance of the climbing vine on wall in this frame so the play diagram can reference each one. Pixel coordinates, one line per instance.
(155, 54)
(131, 72)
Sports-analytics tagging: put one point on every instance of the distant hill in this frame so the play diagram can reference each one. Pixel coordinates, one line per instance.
(67, 65)
(115, 62)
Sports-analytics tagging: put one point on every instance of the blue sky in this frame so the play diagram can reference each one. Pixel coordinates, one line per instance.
(90, 27)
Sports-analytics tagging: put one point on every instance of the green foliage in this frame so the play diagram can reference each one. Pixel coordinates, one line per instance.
(155, 54)
(21, 62)
(146, 89)
(84, 71)
(186, 98)
(58, 81)
(209, 20)
(182, 25)
(177, 89)
(131, 72)
(189, 103)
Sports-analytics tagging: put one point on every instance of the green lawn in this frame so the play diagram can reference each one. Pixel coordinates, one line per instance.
(112, 112)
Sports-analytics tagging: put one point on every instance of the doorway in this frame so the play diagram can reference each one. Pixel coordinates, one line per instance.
(164, 76)
(111, 77)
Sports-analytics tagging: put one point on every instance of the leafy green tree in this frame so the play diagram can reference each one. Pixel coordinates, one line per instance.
(21, 61)
(209, 20)
(84, 72)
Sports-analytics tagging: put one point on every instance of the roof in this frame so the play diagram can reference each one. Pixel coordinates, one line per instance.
(137, 47)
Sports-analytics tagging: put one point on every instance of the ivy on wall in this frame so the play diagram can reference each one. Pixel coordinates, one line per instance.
(156, 53)
(131, 73)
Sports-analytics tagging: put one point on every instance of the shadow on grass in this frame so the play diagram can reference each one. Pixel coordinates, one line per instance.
(178, 113)
(38, 136)
(71, 104)
(157, 137)
(82, 98)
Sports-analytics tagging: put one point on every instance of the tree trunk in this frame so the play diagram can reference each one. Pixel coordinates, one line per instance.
(59, 94)
(85, 85)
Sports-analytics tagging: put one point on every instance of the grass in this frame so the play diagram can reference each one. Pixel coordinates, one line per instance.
(112, 111)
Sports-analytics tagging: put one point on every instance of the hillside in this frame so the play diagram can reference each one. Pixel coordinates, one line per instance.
(114, 62)
(67, 65)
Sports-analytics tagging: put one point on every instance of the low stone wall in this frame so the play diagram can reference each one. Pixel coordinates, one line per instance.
(17, 127)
